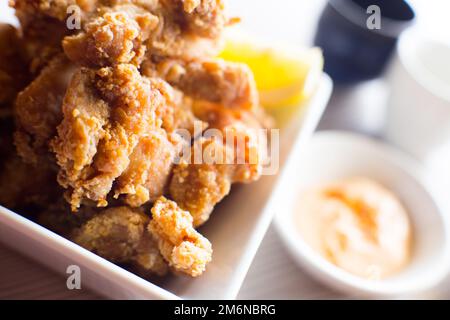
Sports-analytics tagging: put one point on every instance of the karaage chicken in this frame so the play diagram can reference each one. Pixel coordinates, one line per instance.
(110, 126)
(120, 235)
(147, 175)
(131, 127)
(225, 83)
(185, 249)
(114, 37)
(38, 109)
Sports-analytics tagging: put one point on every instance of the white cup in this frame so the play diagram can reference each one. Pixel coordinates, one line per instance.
(418, 111)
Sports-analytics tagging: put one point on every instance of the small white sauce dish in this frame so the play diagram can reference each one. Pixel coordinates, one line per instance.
(334, 155)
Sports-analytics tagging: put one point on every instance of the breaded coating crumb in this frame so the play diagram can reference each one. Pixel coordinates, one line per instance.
(185, 249)
(199, 184)
(85, 116)
(112, 38)
(111, 124)
(119, 234)
(197, 188)
(148, 259)
(38, 109)
(229, 84)
(147, 176)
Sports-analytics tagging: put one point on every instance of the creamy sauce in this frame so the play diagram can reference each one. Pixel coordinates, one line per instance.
(358, 225)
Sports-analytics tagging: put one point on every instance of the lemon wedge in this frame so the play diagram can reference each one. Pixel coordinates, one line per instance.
(285, 75)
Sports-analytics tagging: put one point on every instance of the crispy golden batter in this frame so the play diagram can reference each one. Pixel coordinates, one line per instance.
(219, 117)
(185, 28)
(228, 84)
(82, 128)
(235, 156)
(204, 17)
(197, 188)
(148, 260)
(42, 28)
(110, 128)
(92, 155)
(38, 109)
(147, 176)
(56, 9)
(114, 37)
(86, 124)
(240, 132)
(119, 234)
(188, 28)
(180, 244)
(133, 102)
(114, 234)
(176, 111)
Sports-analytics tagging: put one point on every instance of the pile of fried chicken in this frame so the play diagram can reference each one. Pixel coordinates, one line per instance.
(93, 94)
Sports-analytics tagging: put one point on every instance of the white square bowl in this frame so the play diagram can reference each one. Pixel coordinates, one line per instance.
(236, 230)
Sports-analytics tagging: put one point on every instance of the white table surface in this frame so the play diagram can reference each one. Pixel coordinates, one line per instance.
(273, 274)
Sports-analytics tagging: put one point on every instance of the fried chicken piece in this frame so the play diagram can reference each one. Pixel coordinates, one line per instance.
(241, 132)
(176, 112)
(148, 173)
(6, 139)
(220, 117)
(41, 42)
(188, 28)
(143, 170)
(113, 234)
(148, 260)
(197, 186)
(147, 176)
(178, 115)
(228, 84)
(13, 71)
(56, 9)
(85, 116)
(114, 37)
(185, 28)
(234, 153)
(204, 17)
(38, 109)
(185, 249)
(119, 234)
(43, 26)
(131, 103)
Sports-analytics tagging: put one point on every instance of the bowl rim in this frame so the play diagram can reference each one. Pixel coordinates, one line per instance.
(407, 46)
(324, 270)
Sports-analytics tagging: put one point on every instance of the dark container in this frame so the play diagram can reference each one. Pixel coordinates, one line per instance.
(353, 51)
